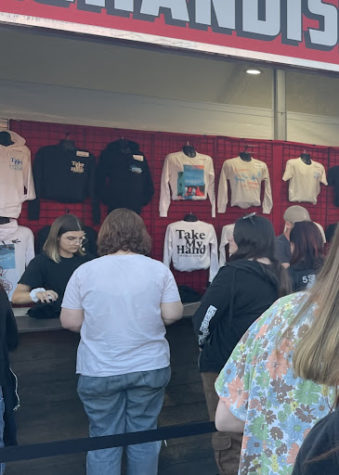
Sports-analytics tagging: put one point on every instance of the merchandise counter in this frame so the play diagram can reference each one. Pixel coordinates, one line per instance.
(27, 324)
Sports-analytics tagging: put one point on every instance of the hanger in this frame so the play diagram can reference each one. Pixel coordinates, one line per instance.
(306, 157)
(245, 154)
(189, 150)
(190, 217)
(5, 138)
(67, 143)
(124, 145)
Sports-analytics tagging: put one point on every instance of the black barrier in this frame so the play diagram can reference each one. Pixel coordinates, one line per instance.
(72, 446)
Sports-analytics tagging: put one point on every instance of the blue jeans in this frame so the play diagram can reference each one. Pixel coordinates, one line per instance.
(126, 403)
(2, 426)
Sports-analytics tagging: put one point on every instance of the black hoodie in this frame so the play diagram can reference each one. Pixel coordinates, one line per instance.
(241, 291)
(123, 178)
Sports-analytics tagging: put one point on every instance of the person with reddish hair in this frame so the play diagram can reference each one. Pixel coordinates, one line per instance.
(120, 304)
(307, 248)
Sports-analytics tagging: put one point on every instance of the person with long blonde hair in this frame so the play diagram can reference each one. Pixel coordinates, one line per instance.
(45, 278)
(282, 376)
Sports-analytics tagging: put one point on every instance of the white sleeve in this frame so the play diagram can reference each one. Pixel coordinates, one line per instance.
(321, 229)
(210, 186)
(323, 179)
(267, 201)
(170, 291)
(223, 190)
(28, 178)
(227, 232)
(214, 265)
(288, 171)
(168, 247)
(165, 195)
(223, 244)
(29, 253)
(72, 298)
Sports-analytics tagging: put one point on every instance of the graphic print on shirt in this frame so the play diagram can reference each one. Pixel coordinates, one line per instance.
(190, 243)
(77, 167)
(15, 163)
(7, 261)
(191, 182)
(248, 181)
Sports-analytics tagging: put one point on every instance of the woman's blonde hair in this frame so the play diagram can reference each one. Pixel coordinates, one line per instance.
(63, 224)
(123, 230)
(317, 355)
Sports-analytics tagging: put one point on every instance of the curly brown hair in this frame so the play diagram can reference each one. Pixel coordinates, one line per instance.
(123, 230)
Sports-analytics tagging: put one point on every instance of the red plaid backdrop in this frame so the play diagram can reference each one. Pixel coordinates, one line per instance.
(156, 145)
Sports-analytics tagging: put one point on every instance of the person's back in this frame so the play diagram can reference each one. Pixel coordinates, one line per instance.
(307, 254)
(241, 291)
(281, 378)
(121, 303)
(245, 290)
(260, 388)
(122, 330)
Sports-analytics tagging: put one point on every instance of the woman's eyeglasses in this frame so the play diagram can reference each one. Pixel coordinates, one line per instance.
(80, 241)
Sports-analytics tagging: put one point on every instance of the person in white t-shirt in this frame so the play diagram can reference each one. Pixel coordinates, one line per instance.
(121, 303)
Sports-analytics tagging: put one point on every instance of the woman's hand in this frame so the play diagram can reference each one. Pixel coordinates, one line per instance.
(47, 296)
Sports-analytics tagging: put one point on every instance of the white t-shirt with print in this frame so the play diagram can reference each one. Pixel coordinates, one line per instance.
(122, 331)
(191, 245)
(188, 178)
(304, 180)
(245, 179)
(16, 252)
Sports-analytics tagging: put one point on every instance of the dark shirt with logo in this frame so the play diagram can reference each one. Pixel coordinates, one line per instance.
(64, 175)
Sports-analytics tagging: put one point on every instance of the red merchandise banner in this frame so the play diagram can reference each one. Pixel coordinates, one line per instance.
(295, 32)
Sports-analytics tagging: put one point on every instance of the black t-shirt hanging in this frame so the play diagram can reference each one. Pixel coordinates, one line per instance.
(333, 180)
(123, 178)
(64, 175)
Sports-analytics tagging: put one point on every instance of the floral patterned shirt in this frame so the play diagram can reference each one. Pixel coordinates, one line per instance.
(259, 387)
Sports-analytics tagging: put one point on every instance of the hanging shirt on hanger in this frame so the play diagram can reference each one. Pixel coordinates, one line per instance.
(333, 180)
(187, 178)
(245, 179)
(16, 251)
(304, 180)
(16, 180)
(123, 178)
(65, 175)
(191, 246)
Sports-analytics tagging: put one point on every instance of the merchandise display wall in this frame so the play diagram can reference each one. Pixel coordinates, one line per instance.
(156, 146)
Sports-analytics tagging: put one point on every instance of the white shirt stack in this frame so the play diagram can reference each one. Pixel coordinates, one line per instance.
(245, 179)
(188, 178)
(304, 180)
(191, 245)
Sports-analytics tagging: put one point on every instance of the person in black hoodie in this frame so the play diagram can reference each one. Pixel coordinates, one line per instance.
(241, 291)
(8, 396)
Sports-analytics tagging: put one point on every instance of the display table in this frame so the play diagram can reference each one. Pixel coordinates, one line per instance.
(27, 324)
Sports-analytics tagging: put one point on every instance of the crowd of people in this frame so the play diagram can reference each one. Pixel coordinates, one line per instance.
(267, 329)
